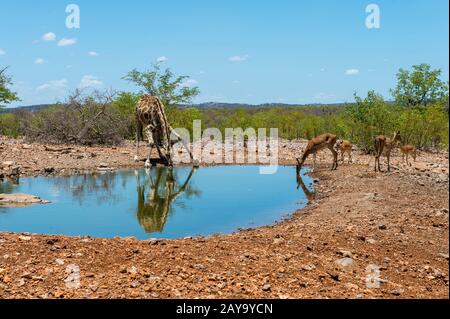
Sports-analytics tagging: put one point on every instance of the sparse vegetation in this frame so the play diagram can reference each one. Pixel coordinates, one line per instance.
(82, 119)
(104, 118)
(171, 89)
(6, 95)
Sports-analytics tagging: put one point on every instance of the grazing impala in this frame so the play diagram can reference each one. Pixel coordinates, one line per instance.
(384, 145)
(407, 150)
(345, 146)
(326, 140)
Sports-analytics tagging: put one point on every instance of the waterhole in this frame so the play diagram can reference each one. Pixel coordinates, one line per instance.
(157, 203)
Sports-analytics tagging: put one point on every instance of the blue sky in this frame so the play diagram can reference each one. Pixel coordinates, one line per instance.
(235, 51)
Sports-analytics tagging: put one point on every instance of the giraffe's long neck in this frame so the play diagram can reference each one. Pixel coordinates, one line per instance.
(164, 118)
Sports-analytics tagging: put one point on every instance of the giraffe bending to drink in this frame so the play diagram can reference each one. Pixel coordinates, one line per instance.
(151, 116)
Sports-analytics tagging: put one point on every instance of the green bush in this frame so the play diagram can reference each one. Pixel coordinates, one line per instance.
(9, 125)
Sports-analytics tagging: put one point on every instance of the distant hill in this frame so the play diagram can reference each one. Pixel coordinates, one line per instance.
(220, 105)
(31, 108)
(207, 105)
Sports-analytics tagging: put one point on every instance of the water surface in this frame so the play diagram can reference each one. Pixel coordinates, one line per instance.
(159, 203)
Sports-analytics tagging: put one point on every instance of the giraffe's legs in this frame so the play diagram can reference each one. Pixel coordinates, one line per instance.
(151, 144)
(136, 156)
(138, 137)
(161, 154)
(186, 146)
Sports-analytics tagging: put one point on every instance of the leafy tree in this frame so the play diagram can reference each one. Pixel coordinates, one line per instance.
(9, 125)
(421, 86)
(6, 95)
(126, 102)
(183, 118)
(164, 84)
(369, 117)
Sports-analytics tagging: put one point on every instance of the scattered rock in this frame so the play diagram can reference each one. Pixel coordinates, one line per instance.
(20, 282)
(59, 261)
(444, 255)
(198, 266)
(278, 240)
(351, 286)
(52, 241)
(153, 241)
(27, 275)
(344, 262)
(371, 196)
(308, 267)
(49, 170)
(266, 287)
(7, 164)
(334, 275)
(345, 253)
(19, 200)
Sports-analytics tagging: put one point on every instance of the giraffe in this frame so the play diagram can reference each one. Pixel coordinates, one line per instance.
(150, 115)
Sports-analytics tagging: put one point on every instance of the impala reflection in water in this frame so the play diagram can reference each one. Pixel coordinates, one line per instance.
(159, 202)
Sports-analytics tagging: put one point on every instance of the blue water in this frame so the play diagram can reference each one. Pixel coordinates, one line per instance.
(156, 203)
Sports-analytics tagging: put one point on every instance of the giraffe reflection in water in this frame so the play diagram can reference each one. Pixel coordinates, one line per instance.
(157, 196)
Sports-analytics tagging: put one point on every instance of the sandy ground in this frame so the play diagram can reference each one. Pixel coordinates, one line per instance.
(363, 235)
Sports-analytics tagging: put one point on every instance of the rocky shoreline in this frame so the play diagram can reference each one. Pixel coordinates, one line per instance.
(390, 229)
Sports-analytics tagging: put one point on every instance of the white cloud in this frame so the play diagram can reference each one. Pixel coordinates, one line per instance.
(2, 52)
(89, 81)
(189, 83)
(50, 36)
(238, 58)
(93, 53)
(162, 59)
(53, 85)
(40, 61)
(65, 42)
(352, 72)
